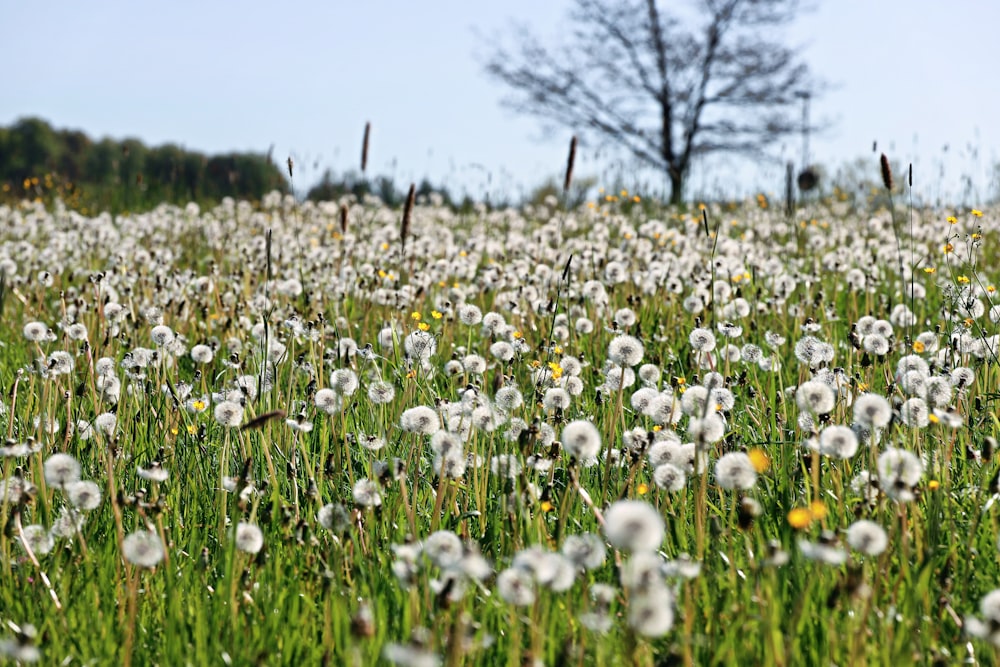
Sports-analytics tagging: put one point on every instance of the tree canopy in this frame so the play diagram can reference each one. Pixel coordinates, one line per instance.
(35, 157)
(664, 85)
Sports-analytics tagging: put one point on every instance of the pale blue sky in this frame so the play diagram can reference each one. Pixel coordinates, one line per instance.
(305, 76)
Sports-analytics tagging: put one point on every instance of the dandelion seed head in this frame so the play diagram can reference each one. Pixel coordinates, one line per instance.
(669, 477)
(585, 550)
(625, 350)
(867, 537)
(83, 495)
(735, 470)
(229, 414)
(366, 493)
(815, 397)
(702, 340)
(581, 440)
(249, 537)
(872, 411)
(633, 525)
(344, 381)
(651, 613)
(420, 419)
(143, 548)
(334, 517)
(61, 470)
(162, 335)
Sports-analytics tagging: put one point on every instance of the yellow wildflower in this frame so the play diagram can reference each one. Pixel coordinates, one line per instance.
(799, 518)
(760, 460)
(817, 510)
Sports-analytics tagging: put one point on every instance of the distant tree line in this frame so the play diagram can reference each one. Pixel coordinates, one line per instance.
(37, 160)
(332, 187)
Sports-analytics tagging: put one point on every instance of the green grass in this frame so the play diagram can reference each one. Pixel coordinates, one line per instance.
(304, 597)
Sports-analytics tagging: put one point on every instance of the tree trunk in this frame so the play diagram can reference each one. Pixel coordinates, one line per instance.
(676, 187)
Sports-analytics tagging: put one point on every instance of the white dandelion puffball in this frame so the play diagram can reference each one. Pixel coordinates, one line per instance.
(249, 537)
(143, 548)
(634, 525)
(581, 440)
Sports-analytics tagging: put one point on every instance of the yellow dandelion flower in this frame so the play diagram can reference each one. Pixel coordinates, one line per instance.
(174, 431)
(760, 460)
(546, 506)
(423, 326)
(636, 199)
(643, 489)
(963, 279)
(192, 429)
(933, 418)
(933, 485)
(799, 518)
(817, 510)
(415, 316)
(557, 349)
(977, 213)
(385, 246)
(947, 248)
(436, 314)
(929, 269)
(518, 334)
(918, 347)
(952, 220)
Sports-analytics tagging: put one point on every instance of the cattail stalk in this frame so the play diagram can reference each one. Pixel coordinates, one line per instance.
(343, 219)
(291, 166)
(569, 164)
(364, 147)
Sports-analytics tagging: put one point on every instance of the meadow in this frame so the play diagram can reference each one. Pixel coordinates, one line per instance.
(625, 434)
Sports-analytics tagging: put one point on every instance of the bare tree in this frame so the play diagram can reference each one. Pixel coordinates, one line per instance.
(642, 80)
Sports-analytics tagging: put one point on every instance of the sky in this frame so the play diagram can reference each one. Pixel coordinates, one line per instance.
(916, 76)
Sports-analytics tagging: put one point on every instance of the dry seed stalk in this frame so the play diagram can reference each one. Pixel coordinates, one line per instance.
(407, 210)
(569, 164)
(886, 172)
(364, 147)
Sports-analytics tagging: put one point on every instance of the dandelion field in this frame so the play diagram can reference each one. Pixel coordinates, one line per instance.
(298, 433)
